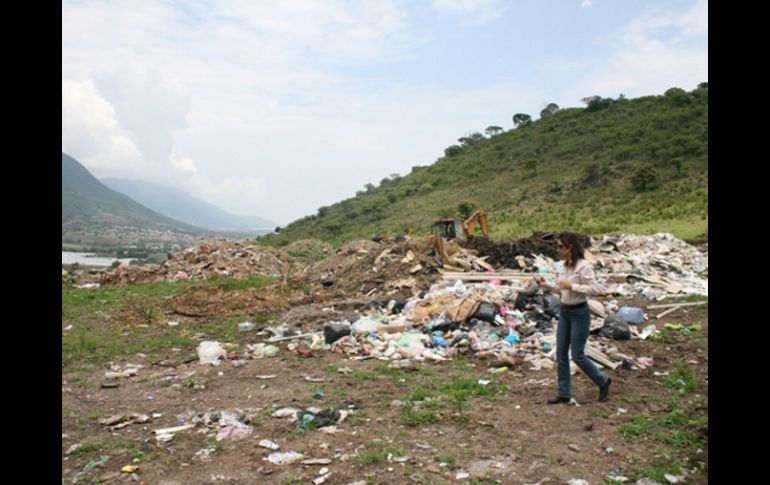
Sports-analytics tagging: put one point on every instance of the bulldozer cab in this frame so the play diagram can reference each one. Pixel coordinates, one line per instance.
(462, 230)
(450, 229)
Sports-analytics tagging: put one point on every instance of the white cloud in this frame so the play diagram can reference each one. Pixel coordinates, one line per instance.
(184, 165)
(692, 23)
(474, 11)
(586, 4)
(334, 30)
(91, 133)
(695, 22)
(654, 52)
(148, 103)
(243, 196)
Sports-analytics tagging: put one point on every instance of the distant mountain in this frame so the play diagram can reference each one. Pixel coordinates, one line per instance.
(182, 206)
(93, 214)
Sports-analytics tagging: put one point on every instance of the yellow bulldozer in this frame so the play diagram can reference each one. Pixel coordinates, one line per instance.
(457, 230)
(462, 230)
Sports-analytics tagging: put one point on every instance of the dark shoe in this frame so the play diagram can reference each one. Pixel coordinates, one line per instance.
(557, 400)
(604, 390)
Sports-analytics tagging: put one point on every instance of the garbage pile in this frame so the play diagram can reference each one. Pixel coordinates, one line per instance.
(511, 325)
(654, 267)
(208, 259)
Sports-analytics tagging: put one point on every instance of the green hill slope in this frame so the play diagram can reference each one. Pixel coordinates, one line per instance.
(635, 165)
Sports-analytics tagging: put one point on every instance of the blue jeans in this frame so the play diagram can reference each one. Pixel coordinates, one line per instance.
(572, 332)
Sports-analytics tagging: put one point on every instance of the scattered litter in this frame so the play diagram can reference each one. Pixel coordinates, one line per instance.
(269, 445)
(317, 461)
(284, 458)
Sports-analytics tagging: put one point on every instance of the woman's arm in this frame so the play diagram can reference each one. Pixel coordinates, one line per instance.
(588, 284)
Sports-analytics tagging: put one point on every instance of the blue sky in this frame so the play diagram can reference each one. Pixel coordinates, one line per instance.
(277, 108)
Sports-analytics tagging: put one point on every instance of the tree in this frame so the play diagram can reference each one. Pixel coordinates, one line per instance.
(595, 103)
(674, 91)
(465, 209)
(644, 179)
(591, 175)
(521, 119)
(369, 187)
(390, 178)
(549, 110)
(703, 85)
(277, 229)
(471, 139)
(453, 150)
(493, 130)
(678, 96)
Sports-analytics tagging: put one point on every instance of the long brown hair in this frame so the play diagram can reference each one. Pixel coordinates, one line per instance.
(570, 239)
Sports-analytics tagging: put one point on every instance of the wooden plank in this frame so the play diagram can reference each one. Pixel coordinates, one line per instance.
(293, 337)
(669, 305)
(667, 312)
(595, 354)
(482, 277)
(499, 273)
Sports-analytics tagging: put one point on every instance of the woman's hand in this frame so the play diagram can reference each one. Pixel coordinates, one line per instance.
(565, 285)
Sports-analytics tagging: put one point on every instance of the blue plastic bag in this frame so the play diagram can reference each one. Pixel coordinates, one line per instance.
(631, 314)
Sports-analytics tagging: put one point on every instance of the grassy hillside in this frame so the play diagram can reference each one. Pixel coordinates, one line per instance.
(637, 165)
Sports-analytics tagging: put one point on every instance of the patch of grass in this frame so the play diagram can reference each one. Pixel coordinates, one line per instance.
(117, 445)
(359, 417)
(138, 456)
(636, 428)
(158, 343)
(241, 283)
(398, 375)
(361, 375)
(681, 379)
(686, 440)
(189, 383)
(449, 459)
(214, 444)
(427, 412)
(95, 416)
(80, 302)
(141, 307)
(460, 390)
(418, 395)
(461, 364)
(88, 346)
(86, 448)
(293, 480)
(97, 342)
(675, 417)
(659, 469)
(376, 452)
(462, 421)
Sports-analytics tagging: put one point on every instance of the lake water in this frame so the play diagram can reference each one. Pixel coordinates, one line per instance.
(87, 259)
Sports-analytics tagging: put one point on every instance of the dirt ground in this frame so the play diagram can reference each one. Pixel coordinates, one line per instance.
(507, 436)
